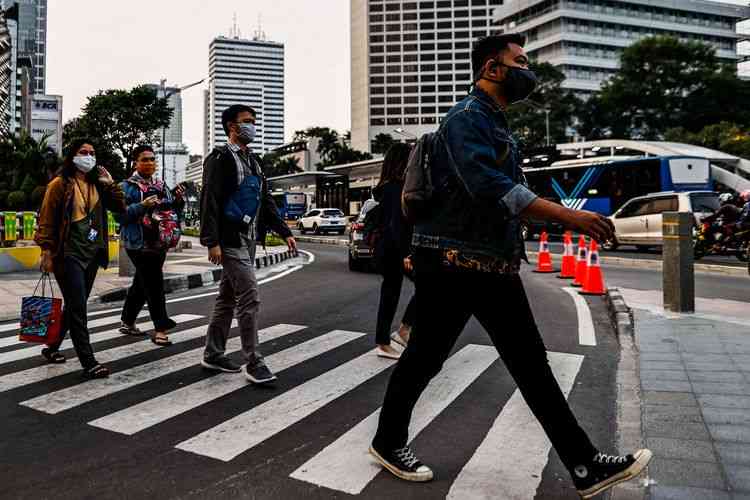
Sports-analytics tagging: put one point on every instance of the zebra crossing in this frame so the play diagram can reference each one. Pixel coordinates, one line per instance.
(342, 463)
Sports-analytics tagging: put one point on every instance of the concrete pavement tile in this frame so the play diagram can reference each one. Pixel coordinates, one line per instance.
(730, 432)
(723, 401)
(660, 356)
(683, 449)
(741, 359)
(676, 430)
(740, 388)
(709, 367)
(703, 376)
(736, 416)
(686, 473)
(741, 496)
(669, 398)
(666, 385)
(680, 375)
(661, 365)
(686, 493)
(695, 357)
(657, 347)
(739, 477)
(733, 453)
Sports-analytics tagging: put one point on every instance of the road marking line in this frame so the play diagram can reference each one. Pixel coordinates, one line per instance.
(510, 461)
(239, 434)
(35, 350)
(94, 323)
(586, 332)
(48, 371)
(154, 411)
(346, 466)
(77, 395)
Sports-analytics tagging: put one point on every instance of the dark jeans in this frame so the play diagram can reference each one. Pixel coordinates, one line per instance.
(445, 302)
(148, 286)
(392, 269)
(75, 284)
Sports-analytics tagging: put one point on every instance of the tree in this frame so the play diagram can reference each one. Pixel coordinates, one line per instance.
(382, 143)
(332, 148)
(274, 165)
(664, 83)
(120, 120)
(727, 137)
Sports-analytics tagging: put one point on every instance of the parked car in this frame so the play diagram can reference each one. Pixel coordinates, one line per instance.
(323, 220)
(360, 253)
(639, 221)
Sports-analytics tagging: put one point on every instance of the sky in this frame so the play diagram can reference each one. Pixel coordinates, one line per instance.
(103, 44)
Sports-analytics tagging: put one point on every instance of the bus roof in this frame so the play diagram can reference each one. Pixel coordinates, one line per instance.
(599, 160)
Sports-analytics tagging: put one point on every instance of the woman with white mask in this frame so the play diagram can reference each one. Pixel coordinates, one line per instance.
(72, 234)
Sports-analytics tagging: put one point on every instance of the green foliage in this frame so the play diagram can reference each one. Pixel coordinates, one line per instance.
(382, 143)
(28, 184)
(274, 241)
(4, 198)
(724, 136)
(191, 231)
(37, 196)
(332, 148)
(16, 200)
(274, 165)
(664, 83)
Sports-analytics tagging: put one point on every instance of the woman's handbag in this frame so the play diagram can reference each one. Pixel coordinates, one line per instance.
(41, 316)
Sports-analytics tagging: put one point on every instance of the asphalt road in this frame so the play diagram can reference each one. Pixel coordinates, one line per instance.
(161, 427)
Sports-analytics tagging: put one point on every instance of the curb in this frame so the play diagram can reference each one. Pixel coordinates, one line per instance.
(322, 241)
(195, 280)
(629, 401)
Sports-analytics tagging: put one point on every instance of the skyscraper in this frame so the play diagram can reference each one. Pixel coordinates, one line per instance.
(6, 70)
(247, 72)
(411, 61)
(584, 38)
(31, 34)
(175, 154)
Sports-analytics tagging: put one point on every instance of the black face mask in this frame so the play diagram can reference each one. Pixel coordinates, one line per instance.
(518, 85)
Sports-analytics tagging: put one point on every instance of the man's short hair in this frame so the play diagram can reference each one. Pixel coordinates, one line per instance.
(231, 113)
(140, 149)
(490, 46)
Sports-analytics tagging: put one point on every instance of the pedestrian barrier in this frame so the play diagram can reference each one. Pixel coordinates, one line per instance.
(21, 226)
(581, 263)
(544, 262)
(594, 284)
(569, 259)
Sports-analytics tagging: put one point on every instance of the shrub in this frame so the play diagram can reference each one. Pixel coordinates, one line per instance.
(3, 198)
(16, 200)
(37, 196)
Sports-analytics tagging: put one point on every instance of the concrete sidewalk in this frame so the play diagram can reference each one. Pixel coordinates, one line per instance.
(188, 268)
(694, 372)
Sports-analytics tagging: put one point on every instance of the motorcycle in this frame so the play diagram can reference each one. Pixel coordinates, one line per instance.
(710, 239)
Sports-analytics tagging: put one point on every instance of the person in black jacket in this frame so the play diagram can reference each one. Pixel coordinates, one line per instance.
(231, 241)
(393, 252)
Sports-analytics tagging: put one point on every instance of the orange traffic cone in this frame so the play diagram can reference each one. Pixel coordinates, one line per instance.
(569, 258)
(544, 262)
(581, 262)
(594, 284)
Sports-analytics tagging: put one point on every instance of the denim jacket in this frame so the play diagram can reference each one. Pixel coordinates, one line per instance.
(480, 189)
(131, 229)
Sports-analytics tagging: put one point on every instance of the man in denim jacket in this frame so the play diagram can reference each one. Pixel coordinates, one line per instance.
(467, 257)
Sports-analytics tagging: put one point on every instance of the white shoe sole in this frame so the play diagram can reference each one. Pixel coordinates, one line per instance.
(387, 355)
(416, 477)
(217, 368)
(259, 381)
(397, 339)
(642, 458)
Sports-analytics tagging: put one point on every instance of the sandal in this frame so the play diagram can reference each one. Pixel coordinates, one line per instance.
(133, 330)
(97, 371)
(54, 357)
(161, 341)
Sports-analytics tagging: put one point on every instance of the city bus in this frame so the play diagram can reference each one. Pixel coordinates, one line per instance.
(291, 205)
(603, 184)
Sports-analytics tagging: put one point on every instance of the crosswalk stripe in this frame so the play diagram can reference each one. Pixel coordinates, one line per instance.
(76, 395)
(9, 327)
(93, 323)
(48, 371)
(154, 411)
(510, 461)
(239, 434)
(34, 350)
(586, 332)
(346, 466)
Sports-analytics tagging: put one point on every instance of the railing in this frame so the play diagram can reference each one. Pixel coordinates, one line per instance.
(21, 226)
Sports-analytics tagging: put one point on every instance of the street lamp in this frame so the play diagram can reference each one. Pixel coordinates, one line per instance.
(546, 110)
(164, 129)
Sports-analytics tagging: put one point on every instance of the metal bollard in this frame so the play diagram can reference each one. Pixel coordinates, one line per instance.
(677, 257)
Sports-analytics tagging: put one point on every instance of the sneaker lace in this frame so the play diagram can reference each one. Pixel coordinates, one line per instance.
(407, 456)
(609, 459)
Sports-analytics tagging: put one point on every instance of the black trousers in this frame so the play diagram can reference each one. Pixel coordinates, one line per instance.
(75, 284)
(445, 302)
(392, 269)
(147, 287)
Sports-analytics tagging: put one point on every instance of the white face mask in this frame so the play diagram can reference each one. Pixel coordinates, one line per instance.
(84, 163)
(247, 133)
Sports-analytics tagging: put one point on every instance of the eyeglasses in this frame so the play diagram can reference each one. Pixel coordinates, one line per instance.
(86, 152)
(148, 159)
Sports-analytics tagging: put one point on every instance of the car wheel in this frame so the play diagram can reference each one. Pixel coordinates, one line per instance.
(301, 228)
(611, 244)
(316, 229)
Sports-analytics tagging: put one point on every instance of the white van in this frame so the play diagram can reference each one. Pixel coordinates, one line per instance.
(638, 222)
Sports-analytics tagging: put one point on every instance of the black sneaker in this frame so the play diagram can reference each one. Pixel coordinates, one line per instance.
(605, 471)
(259, 373)
(222, 364)
(403, 464)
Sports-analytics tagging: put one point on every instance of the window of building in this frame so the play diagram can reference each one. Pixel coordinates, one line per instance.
(462, 45)
(410, 6)
(478, 2)
(463, 34)
(393, 27)
(411, 68)
(377, 70)
(445, 67)
(427, 57)
(377, 101)
(444, 35)
(377, 122)
(411, 57)
(445, 109)
(427, 46)
(426, 5)
(393, 100)
(427, 36)
(461, 24)
(376, 49)
(445, 78)
(394, 121)
(410, 27)
(461, 13)
(393, 69)
(445, 88)
(445, 98)
(393, 38)
(376, 59)
(463, 76)
(410, 16)
(428, 89)
(393, 17)
(411, 89)
(427, 26)
(411, 111)
(376, 28)
(377, 18)
(463, 67)
(391, 7)
(376, 80)
(411, 99)
(428, 120)
(377, 111)
(394, 90)
(446, 14)
(445, 56)
(426, 110)
(411, 78)
(444, 25)
(478, 22)
(393, 48)
(376, 8)
(393, 79)
(412, 47)
(444, 4)
(478, 13)
(411, 120)
(394, 58)
(425, 99)
(428, 78)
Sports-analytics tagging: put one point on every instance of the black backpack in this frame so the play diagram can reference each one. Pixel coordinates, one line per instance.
(416, 198)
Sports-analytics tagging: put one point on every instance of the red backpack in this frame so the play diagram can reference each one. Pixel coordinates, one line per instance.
(161, 228)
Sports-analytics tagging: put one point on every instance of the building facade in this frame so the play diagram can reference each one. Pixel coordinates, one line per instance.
(247, 72)
(6, 72)
(584, 38)
(175, 154)
(411, 61)
(30, 38)
(47, 120)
